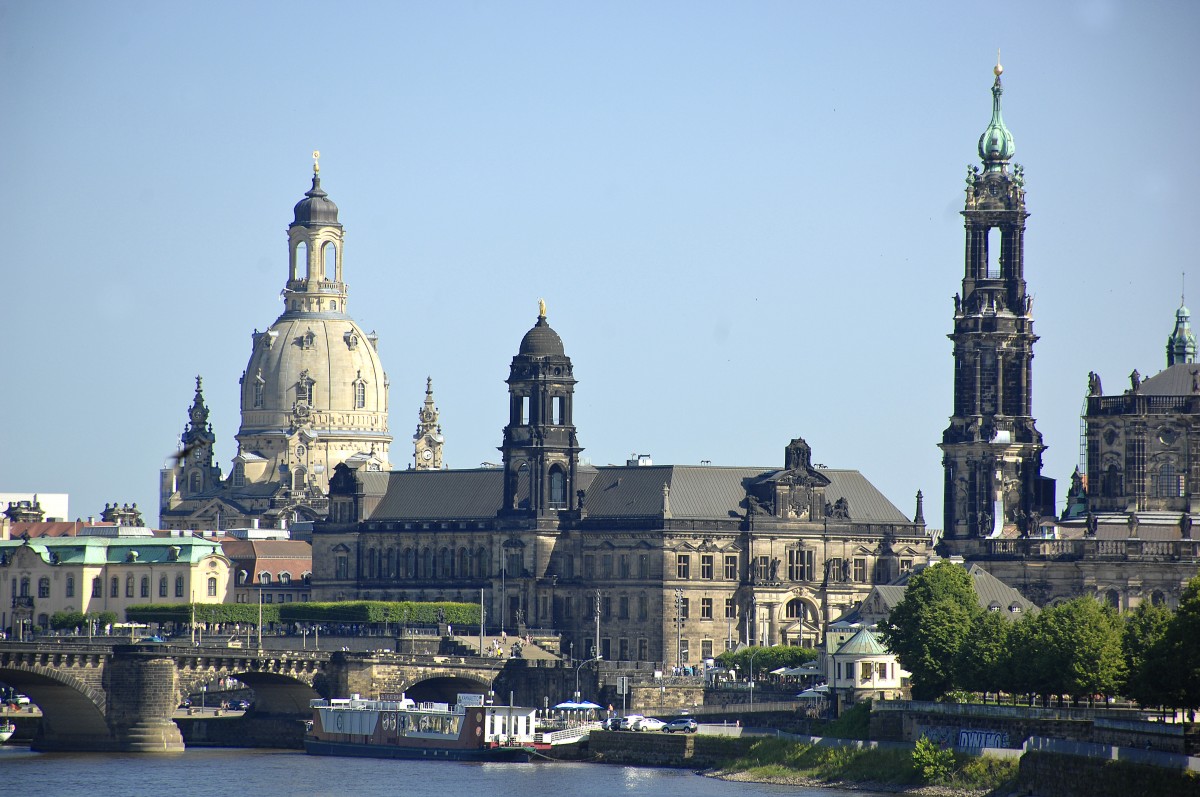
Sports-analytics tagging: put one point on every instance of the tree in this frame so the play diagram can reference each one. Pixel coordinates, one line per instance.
(1073, 648)
(983, 656)
(1177, 652)
(1144, 629)
(766, 658)
(927, 628)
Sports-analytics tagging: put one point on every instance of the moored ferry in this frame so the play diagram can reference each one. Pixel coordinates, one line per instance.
(7, 729)
(402, 728)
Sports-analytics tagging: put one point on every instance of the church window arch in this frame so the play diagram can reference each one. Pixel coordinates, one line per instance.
(44, 587)
(360, 393)
(145, 586)
(212, 586)
(558, 488)
(994, 247)
(329, 261)
(299, 264)
(1166, 481)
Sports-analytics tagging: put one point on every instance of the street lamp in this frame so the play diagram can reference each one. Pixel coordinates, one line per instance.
(577, 668)
(752, 655)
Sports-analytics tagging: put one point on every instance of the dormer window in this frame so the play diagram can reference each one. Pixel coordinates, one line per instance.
(264, 578)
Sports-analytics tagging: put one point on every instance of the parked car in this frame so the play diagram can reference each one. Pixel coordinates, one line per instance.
(685, 724)
(649, 724)
(628, 722)
(239, 705)
(185, 703)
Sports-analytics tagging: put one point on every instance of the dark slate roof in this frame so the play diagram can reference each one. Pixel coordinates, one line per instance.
(613, 491)
(1174, 381)
(316, 209)
(441, 494)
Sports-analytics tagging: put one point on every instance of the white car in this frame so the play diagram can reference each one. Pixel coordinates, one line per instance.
(649, 724)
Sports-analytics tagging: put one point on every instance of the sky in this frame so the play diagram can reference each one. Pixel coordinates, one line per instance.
(743, 217)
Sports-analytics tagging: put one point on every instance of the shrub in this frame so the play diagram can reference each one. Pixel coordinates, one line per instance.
(931, 761)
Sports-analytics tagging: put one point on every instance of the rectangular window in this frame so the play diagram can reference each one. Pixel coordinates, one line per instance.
(567, 607)
(70, 586)
(606, 566)
(623, 648)
(800, 564)
(145, 586)
(864, 673)
(683, 565)
(97, 588)
(607, 611)
(129, 587)
(623, 607)
(270, 598)
(643, 610)
(114, 587)
(706, 566)
(706, 609)
(860, 570)
(643, 565)
(762, 568)
(343, 568)
(589, 566)
(606, 649)
(731, 567)
(624, 566)
(684, 605)
(178, 586)
(906, 565)
(706, 648)
(570, 568)
(643, 649)
(730, 611)
(685, 654)
(162, 587)
(44, 588)
(835, 570)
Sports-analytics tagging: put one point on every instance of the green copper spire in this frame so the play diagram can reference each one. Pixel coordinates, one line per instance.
(1181, 346)
(996, 146)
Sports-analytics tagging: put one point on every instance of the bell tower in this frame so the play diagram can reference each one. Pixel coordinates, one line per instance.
(992, 450)
(541, 451)
(427, 441)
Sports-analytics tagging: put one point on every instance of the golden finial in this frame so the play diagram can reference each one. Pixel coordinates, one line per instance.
(316, 161)
(541, 308)
(999, 70)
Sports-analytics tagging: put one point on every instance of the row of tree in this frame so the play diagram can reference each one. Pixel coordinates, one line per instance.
(1079, 648)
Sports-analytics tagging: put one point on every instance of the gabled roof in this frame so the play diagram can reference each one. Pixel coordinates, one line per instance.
(1176, 380)
(441, 494)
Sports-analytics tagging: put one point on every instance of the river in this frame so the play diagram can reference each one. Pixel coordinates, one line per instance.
(203, 772)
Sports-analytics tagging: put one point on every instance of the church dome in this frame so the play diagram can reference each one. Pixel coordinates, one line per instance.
(322, 361)
(316, 208)
(541, 341)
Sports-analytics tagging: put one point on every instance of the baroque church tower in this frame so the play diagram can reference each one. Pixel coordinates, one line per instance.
(428, 440)
(992, 450)
(314, 394)
(541, 451)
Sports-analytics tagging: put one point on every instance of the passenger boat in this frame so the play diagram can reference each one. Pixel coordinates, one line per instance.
(7, 729)
(398, 727)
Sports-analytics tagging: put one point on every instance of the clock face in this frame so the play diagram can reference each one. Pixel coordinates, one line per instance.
(198, 454)
(427, 455)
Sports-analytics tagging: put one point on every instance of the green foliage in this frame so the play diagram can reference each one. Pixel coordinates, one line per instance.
(932, 762)
(1144, 629)
(1073, 648)
(927, 628)
(182, 613)
(983, 658)
(766, 658)
(394, 612)
(855, 723)
(1177, 653)
(103, 618)
(60, 621)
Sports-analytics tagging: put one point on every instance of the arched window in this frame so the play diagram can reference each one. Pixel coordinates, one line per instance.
(70, 586)
(212, 586)
(129, 586)
(162, 587)
(333, 304)
(264, 578)
(25, 586)
(329, 258)
(145, 586)
(447, 564)
(372, 565)
(239, 474)
(408, 563)
(285, 578)
(426, 563)
(482, 564)
(1112, 482)
(97, 587)
(44, 587)
(195, 482)
(1168, 482)
(178, 586)
(360, 395)
(391, 563)
(464, 564)
(300, 262)
(304, 390)
(994, 236)
(258, 395)
(114, 587)
(558, 489)
(1113, 598)
(796, 609)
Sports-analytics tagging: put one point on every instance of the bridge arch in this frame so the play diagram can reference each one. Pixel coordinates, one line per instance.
(69, 705)
(444, 687)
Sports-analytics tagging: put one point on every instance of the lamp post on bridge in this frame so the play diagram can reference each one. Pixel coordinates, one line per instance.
(577, 668)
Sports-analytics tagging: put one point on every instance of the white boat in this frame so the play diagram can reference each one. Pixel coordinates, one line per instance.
(7, 729)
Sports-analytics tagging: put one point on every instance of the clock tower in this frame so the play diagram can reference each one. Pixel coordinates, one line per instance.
(196, 455)
(992, 450)
(428, 440)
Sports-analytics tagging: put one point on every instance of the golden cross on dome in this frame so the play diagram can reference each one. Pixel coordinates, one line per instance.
(316, 161)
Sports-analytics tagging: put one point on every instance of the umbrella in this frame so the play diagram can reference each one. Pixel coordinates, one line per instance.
(587, 705)
(569, 705)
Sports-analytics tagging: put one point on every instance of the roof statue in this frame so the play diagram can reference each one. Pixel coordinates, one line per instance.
(541, 308)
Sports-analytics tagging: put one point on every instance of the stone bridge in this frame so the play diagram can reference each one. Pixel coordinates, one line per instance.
(122, 697)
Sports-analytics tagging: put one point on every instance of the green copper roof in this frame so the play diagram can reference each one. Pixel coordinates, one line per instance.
(1181, 346)
(996, 145)
(864, 643)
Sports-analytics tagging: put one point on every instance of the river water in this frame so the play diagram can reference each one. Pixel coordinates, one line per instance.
(218, 773)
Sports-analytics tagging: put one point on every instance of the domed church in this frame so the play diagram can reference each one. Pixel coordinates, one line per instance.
(314, 395)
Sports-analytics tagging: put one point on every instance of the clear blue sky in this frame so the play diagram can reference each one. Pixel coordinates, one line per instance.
(743, 216)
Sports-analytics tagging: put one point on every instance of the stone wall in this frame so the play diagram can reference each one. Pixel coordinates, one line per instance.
(1077, 776)
(689, 750)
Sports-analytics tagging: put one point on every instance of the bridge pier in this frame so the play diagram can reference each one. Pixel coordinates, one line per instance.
(142, 679)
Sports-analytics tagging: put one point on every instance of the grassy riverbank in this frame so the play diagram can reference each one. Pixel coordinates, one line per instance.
(784, 761)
